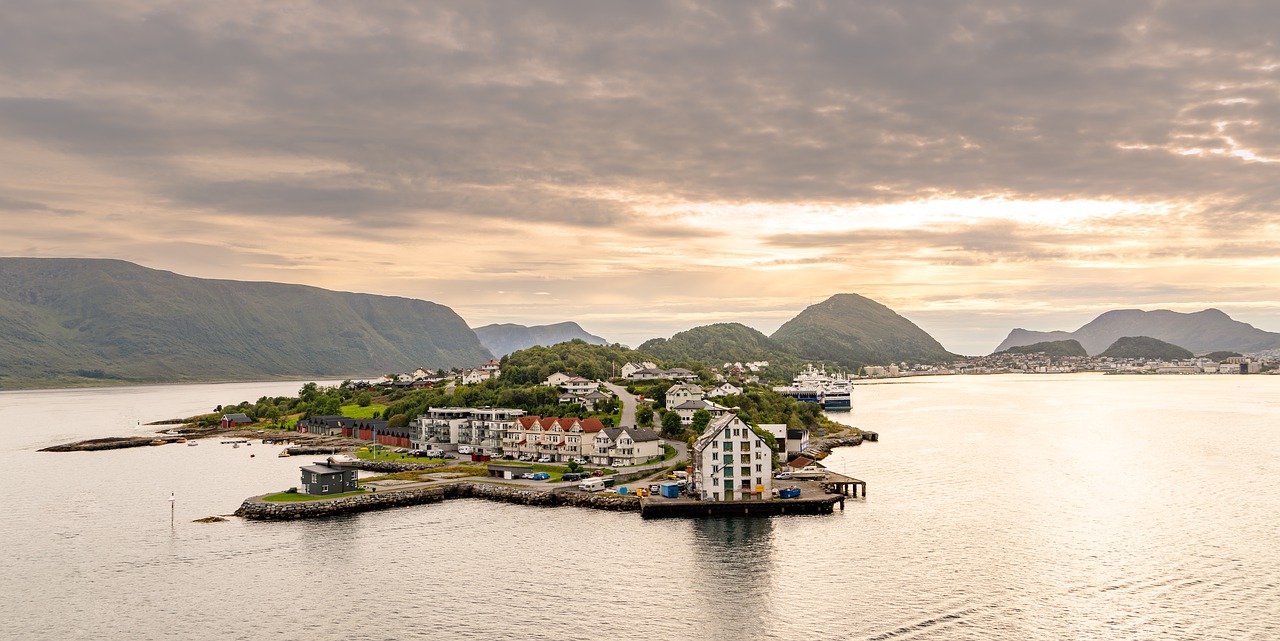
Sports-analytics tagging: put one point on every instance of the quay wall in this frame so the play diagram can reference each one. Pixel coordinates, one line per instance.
(257, 509)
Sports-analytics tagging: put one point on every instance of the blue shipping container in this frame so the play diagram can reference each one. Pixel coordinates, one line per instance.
(670, 490)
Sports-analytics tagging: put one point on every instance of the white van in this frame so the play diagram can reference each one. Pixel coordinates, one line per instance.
(464, 449)
(591, 485)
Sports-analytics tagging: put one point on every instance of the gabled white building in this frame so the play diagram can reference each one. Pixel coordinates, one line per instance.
(731, 462)
(631, 368)
(687, 409)
(724, 389)
(681, 392)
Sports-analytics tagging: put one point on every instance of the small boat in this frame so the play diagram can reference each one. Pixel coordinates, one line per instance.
(158, 442)
(235, 445)
(180, 440)
(192, 443)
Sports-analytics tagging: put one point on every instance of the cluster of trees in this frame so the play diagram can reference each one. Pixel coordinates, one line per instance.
(535, 400)
(532, 366)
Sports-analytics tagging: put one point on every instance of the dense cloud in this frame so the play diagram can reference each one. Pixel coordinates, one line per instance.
(592, 116)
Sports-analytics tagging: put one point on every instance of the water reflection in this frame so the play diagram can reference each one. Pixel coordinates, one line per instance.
(733, 565)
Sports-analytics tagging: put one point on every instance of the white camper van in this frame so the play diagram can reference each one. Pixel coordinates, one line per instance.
(591, 485)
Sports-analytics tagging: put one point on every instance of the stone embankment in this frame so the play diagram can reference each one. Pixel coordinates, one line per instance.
(256, 509)
(821, 450)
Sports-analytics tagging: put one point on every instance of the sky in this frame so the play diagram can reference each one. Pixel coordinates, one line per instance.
(645, 167)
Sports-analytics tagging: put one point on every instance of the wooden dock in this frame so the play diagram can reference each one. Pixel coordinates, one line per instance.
(814, 499)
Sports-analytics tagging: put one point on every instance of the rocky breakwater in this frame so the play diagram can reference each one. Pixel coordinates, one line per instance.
(821, 450)
(257, 509)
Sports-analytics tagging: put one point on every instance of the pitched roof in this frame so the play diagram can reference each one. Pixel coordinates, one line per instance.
(321, 468)
(642, 435)
(236, 418)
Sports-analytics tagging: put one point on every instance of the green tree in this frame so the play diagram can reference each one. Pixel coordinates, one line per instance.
(399, 420)
(364, 399)
(644, 416)
(573, 467)
(700, 420)
(670, 423)
(309, 392)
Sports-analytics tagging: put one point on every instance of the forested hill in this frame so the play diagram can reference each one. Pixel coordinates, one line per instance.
(714, 344)
(1145, 347)
(81, 321)
(502, 339)
(1052, 349)
(853, 330)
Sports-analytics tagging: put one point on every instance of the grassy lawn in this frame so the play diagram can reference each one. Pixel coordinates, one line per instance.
(355, 411)
(296, 497)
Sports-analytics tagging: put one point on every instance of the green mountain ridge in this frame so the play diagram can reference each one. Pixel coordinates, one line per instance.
(1146, 347)
(714, 344)
(1052, 349)
(853, 331)
(846, 329)
(83, 321)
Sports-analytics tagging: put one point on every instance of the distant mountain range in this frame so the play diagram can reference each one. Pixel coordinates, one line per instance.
(1200, 332)
(847, 329)
(84, 321)
(502, 339)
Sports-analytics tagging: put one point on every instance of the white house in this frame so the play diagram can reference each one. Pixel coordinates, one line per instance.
(687, 409)
(731, 462)
(790, 442)
(622, 446)
(631, 368)
(724, 389)
(555, 380)
(578, 385)
(681, 392)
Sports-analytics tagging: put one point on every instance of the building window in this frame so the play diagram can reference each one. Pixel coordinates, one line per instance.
(759, 455)
(746, 470)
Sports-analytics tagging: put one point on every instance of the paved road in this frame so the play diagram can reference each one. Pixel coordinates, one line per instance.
(629, 404)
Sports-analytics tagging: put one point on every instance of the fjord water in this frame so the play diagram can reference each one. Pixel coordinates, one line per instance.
(1001, 507)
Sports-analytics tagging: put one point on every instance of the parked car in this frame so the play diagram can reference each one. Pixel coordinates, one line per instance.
(597, 473)
(654, 488)
(570, 476)
(544, 459)
(782, 475)
(527, 475)
(526, 457)
(540, 476)
(579, 460)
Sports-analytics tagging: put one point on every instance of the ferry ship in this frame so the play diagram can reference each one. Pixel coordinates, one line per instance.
(813, 385)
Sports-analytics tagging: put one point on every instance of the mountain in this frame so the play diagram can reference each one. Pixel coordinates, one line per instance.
(1204, 331)
(1052, 349)
(1145, 347)
(80, 321)
(502, 339)
(714, 344)
(853, 330)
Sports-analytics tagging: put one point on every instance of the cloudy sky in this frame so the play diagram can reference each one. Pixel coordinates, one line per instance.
(644, 167)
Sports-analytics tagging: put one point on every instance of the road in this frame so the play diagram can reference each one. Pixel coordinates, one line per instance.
(629, 404)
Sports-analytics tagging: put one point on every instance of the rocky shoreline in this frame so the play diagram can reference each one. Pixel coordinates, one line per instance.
(320, 444)
(258, 510)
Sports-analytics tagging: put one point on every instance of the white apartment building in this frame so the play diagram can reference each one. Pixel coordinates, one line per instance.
(482, 428)
(731, 462)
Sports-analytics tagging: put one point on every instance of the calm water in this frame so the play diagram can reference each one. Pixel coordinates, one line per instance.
(1080, 507)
